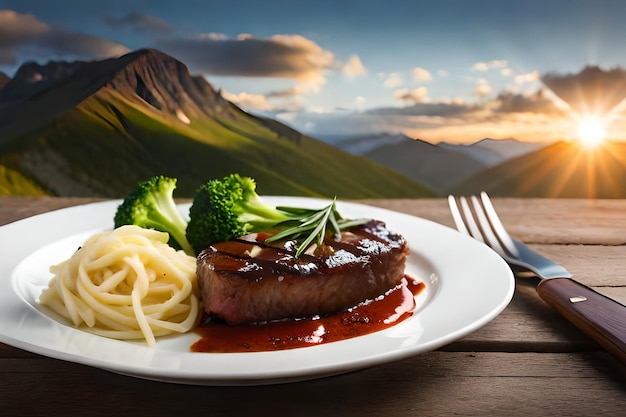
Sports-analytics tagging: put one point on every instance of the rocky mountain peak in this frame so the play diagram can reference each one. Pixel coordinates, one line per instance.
(167, 85)
(32, 72)
(149, 78)
(32, 78)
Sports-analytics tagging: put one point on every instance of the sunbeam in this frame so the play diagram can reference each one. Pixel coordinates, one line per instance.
(591, 132)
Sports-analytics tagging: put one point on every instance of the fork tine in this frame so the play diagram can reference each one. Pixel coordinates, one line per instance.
(490, 232)
(486, 227)
(470, 221)
(497, 226)
(463, 217)
(456, 215)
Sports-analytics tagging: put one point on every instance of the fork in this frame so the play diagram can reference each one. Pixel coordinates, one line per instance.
(598, 316)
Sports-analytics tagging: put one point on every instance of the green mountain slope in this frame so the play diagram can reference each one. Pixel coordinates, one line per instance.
(14, 183)
(128, 130)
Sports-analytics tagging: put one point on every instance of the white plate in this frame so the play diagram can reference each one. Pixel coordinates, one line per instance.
(467, 285)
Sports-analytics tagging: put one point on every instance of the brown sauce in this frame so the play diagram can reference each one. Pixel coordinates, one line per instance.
(395, 306)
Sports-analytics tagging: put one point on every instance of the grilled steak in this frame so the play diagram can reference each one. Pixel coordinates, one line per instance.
(248, 281)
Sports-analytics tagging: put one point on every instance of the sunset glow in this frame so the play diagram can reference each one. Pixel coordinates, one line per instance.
(591, 132)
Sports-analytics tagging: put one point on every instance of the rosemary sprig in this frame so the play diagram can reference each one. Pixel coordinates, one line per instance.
(312, 225)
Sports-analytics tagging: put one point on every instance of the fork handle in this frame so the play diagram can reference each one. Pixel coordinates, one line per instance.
(600, 317)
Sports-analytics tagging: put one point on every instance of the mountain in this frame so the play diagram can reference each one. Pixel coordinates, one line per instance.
(424, 162)
(441, 165)
(360, 144)
(97, 128)
(563, 170)
(4, 79)
(145, 77)
(494, 151)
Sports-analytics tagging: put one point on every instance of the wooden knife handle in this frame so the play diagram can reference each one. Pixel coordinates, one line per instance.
(600, 317)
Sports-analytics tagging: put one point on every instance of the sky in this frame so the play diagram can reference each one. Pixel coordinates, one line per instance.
(447, 70)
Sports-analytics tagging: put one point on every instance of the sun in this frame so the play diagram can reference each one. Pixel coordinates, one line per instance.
(591, 132)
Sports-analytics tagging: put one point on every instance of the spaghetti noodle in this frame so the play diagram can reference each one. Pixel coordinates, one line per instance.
(127, 283)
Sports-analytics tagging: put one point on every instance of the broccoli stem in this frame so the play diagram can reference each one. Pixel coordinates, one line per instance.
(260, 215)
(168, 218)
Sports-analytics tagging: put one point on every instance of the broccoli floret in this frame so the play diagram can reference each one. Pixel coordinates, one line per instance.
(151, 205)
(227, 209)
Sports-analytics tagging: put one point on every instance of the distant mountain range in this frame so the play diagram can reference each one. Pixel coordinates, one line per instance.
(439, 165)
(97, 128)
(436, 166)
(503, 167)
(494, 151)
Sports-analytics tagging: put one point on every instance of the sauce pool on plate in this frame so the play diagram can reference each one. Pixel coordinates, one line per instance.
(371, 316)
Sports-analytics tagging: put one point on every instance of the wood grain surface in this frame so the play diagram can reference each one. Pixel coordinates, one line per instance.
(527, 361)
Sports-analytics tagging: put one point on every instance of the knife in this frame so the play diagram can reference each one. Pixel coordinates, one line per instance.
(600, 317)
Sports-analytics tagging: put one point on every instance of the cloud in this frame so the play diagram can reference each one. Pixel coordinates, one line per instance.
(311, 86)
(260, 102)
(438, 109)
(509, 102)
(489, 65)
(592, 90)
(393, 80)
(423, 119)
(415, 95)
(17, 30)
(526, 78)
(281, 56)
(482, 88)
(63, 43)
(15, 27)
(537, 115)
(285, 100)
(420, 74)
(353, 68)
(531, 116)
(291, 57)
(139, 22)
(25, 36)
(436, 122)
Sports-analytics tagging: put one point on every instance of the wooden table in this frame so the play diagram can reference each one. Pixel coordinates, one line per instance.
(527, 361)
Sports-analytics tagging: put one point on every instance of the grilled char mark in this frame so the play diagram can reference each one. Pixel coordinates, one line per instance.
(252, 259)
